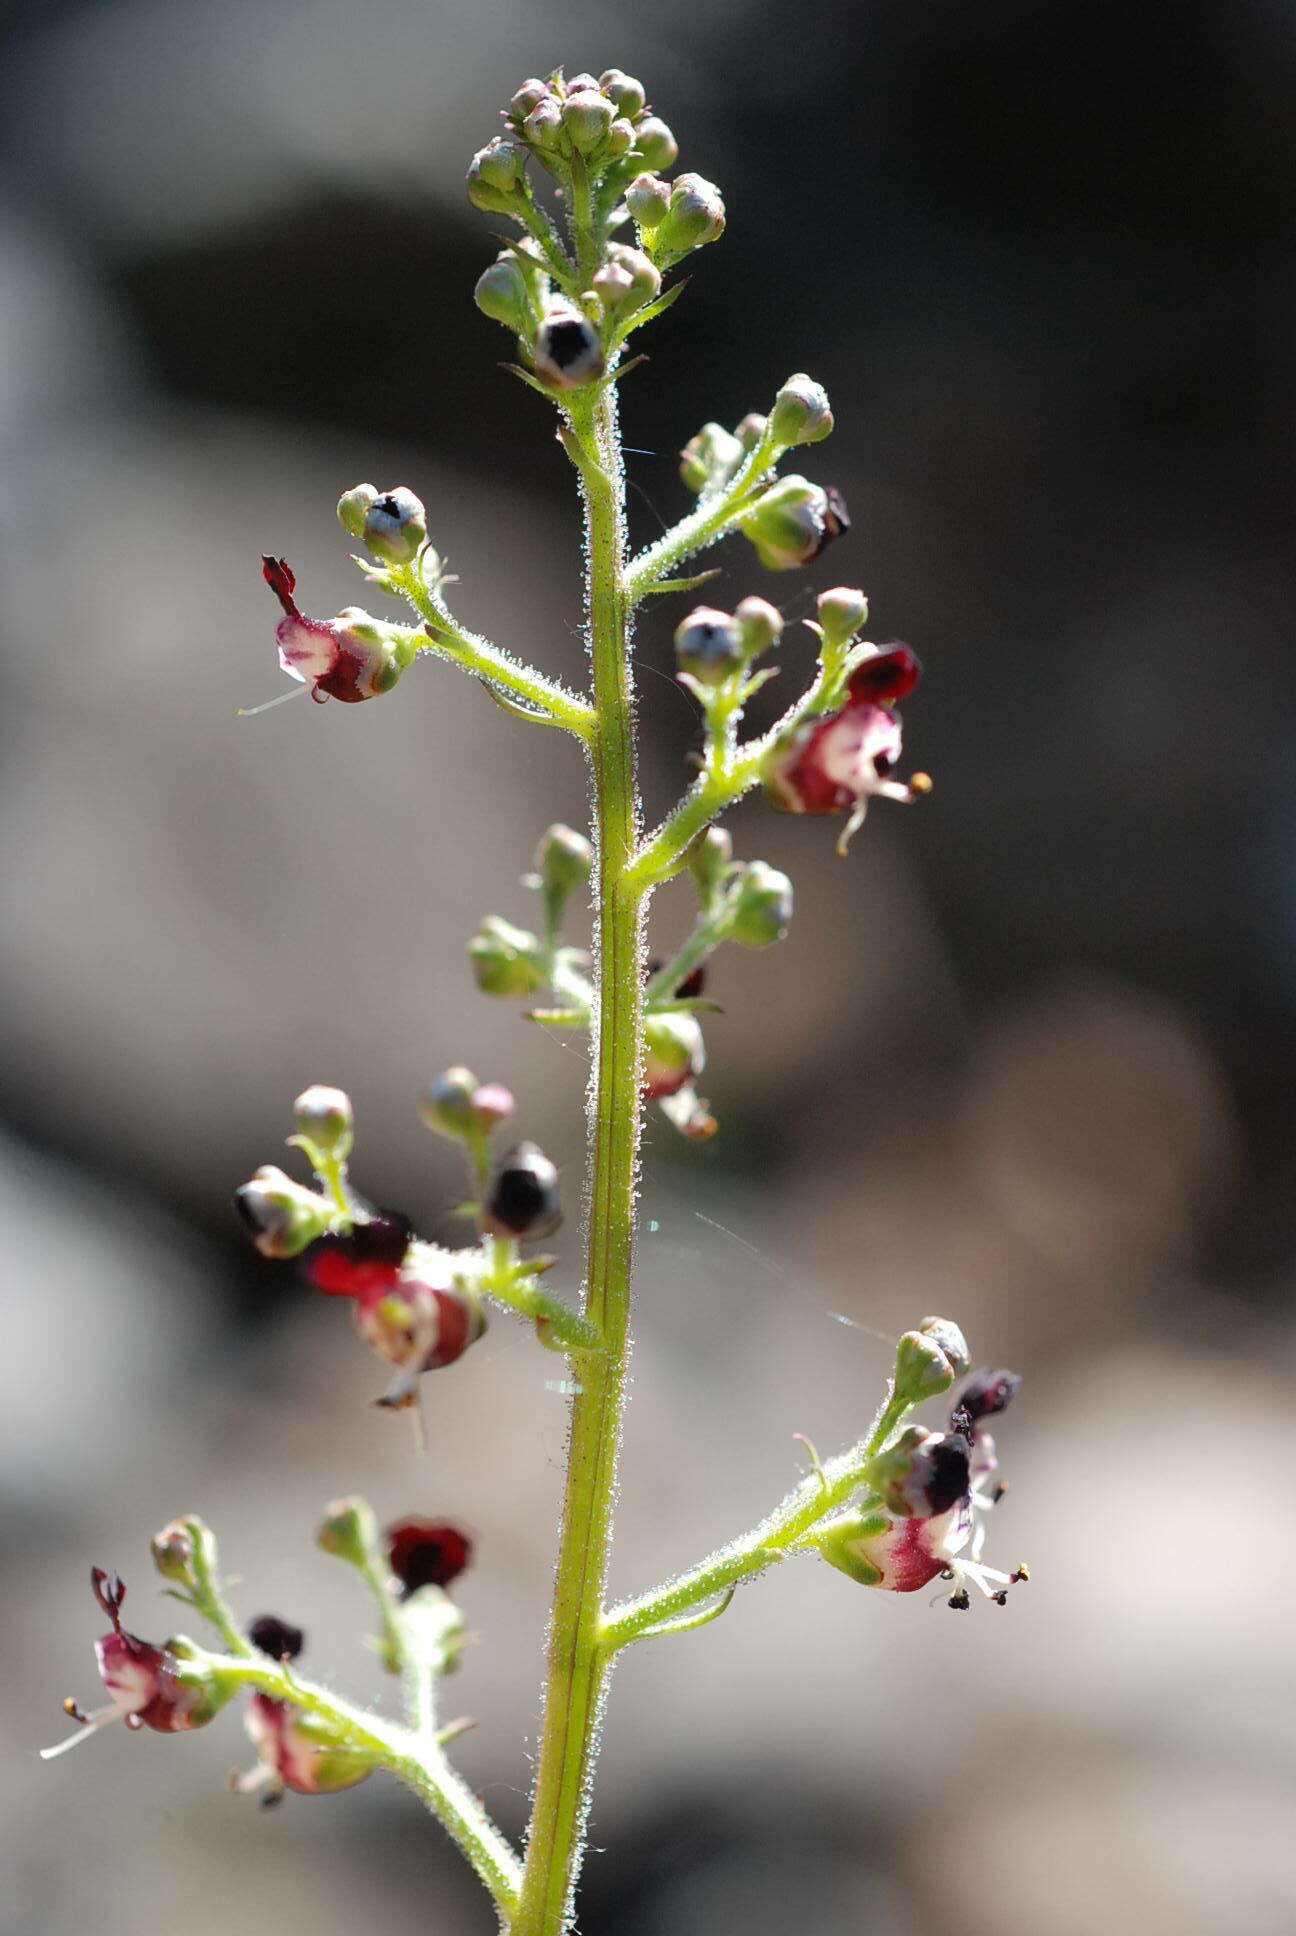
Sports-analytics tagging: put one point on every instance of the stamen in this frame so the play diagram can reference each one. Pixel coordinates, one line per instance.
(1021, 1576)
(250, 712)
(90, 1724)
(74, 1711)
(959, 1601)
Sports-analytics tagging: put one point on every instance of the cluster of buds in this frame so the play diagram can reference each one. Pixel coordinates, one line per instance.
(713, 648)
(924, 1515)
(838, 762)
(165, 1688)
(350, 657)
(605, 123)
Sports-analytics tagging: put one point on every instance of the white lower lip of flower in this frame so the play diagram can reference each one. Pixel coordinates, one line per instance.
(306, 651)
(849, 751)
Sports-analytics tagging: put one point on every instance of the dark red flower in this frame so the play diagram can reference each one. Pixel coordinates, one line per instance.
(426, 1552)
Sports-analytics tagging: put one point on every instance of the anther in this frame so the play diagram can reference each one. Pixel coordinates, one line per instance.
(74, 1711)
(1022, 1575)
(960, 1601)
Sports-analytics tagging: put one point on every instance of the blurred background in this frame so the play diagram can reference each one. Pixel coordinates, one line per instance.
(1025, 1059)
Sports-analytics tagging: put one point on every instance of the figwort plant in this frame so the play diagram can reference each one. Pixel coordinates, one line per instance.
(905, 1505)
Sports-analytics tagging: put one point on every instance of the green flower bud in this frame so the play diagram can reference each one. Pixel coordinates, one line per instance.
(587, 116)
(751, 430)
(695, 217)
(581, 84)
(710, 459)
(708, 646)
(922, 1368)
(563, 858)
(648, 199)
(760, 625)
(349, 1531)
(173, 1553)
(620, 139)
(353, 508)
(502, 294)
(395, 527)
(627, 280)
(708, 858)
(528, 97)
(762, 906)
(447, 1104)
(626, 94)
(281, 1216)
(842, 611)
(496, 175)
(567, 352)
(801, 413)
(945, 1333)
(325, 1118)
(655, 145)
(543, 127)
(792, 521)
(506, 960)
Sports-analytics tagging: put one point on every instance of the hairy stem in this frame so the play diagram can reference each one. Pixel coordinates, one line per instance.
(577, 1662)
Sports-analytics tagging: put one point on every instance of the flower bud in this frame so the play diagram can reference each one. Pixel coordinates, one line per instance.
(842, 611)
(566, 351)
(626, 94)
(674, 1053)
(695, 217)
(655, 145)
(921, 1369)
(762, 906)
(620, 139)
(395, 527)
(528, 97)
(792, 521)
(349, 1531)
(752, 428)
(324, 1117)
(586, 116)
(637, 280)
(581, 84)
(506, 960)
(353, 508)
(760, 625)
(612, 286)
(501, 293)
(708, 858)
(710, 459)
(426, 1552)
(447, 1104)
(496, 175)
(950, 1338)
(648, 200)
(493, 1104)
(563, 858)
(282, 1217)
(523, 1199)
(544, 125)
(173, 1553)
(708, 646)
(801, 413)
(923, 1473)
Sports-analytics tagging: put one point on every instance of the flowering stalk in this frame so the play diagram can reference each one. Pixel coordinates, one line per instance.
(905, 1505)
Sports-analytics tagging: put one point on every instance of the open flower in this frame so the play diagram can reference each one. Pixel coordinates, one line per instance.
(148, 1686)
(426, 1552)
(838, 762)
(410, 1304)
(931, 1521)
(350, 657)
(294, 1749)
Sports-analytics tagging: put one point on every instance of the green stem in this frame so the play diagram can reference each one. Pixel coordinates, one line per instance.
(416, 1761)
(451, 640)
(710, 520)
(577, 1663)
(820, 1493)
(706, 937)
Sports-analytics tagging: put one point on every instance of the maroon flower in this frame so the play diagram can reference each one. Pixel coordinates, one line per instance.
(361, 1261)
(295, 1750)
(147, 1686)
(426, 1552)
(350, 657)
(837, 763)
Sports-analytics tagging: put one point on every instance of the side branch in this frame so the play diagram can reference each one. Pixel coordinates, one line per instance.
(712, 518)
